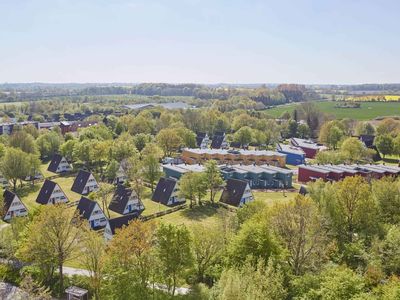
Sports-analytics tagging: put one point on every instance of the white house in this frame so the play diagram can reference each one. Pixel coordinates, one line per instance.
(166, 192)
(13, 206)
(91, 211)
(236, 193)
(51, 193)
(59, 164)
(125, 201)
(85, 183)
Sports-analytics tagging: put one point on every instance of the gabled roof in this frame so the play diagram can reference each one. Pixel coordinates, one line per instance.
(118, 223)
(8, 199)
(120, 199)
(217, 141)
(55, 161)
(233, 192)
(85, 207)
(367, 139)
(46, 191)
(80, 181)
(164, 190)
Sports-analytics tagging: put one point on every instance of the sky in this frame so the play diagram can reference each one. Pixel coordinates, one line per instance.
(200, 41)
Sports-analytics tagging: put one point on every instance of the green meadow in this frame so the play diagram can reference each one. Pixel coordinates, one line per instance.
(367, 111)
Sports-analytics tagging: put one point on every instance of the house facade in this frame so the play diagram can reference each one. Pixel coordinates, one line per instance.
(120, 176)
(222, 156)
(236, 193)
(166, 192)
(85, 183)
(59, 164)
(125, 201)
(13, 206)
(294, 155)
(92, 212)
(51, 193)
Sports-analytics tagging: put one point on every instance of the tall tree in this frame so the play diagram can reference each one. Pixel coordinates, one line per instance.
(151, 169)
(174, 254)
(52, 239)
(104, 193)
(213, 178)
(92, 259)
(299, 225)
(15, 165)
(130, 262)
(384, 144)
(169, 140)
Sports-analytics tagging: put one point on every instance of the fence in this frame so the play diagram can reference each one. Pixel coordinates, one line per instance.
(163, 213)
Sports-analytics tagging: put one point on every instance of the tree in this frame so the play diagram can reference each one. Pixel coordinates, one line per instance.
(105, 191)
(388, 126)
(365, 128)
(151, 169)
(48, 144)
(52, 239)
(293, 127)
(174, 254)
(260, 282)
(67, 149)
(243, 136)
(123, 147)
(15, 166)
(24, 141)
(192, 186)
(130, 261)
(213, 178)
(208, 244)
(386, 193)
(396, 145)
(254, 240)
(92, 256)
(353, 150)
(303, 131)
(133, 168)
(390, 251)
(299, 226)
(352, 210)
(33, 166)
(169, 140)
(111, 170)
(384, 144)
(331, 133)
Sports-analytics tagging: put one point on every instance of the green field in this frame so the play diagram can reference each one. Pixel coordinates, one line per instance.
(368, 111)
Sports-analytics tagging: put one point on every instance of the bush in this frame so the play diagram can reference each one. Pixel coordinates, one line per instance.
(9, 274)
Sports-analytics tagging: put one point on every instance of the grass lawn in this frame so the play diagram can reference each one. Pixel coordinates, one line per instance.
(207, 214)
(368, 110)
(43, 170)
(273, 197)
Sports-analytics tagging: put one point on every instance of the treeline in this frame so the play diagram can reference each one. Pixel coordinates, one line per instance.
(283, 93)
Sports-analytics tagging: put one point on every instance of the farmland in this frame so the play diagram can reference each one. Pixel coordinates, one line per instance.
(367, 111)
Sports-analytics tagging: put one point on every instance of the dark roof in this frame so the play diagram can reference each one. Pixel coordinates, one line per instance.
(164, 189)
(80, 181)
(233, 192)
(85, 207)
(216, 142)
(46, 191)
(121, 221)
(120, 199)
(55, 161)
(8, 198)
(303, 190)
(367, 139)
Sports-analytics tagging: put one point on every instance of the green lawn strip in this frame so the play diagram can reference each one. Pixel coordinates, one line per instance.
(43, 170)
(368, 110)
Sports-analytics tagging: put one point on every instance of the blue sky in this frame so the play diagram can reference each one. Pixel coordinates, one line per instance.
(200, 41)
